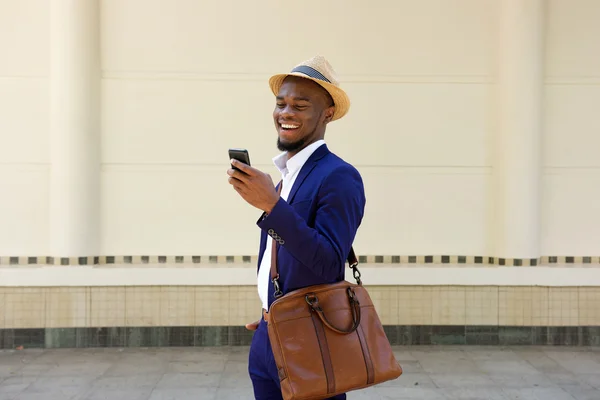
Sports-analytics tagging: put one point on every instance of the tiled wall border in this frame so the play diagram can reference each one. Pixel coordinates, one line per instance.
(238, 336)
(370, 259)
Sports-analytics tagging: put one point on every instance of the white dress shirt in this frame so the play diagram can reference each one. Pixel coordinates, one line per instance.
(289, 172)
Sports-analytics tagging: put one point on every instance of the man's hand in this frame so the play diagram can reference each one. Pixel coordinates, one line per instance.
(252, 326)
(253, 185)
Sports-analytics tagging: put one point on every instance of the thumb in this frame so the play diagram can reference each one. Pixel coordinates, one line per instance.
(252, 326)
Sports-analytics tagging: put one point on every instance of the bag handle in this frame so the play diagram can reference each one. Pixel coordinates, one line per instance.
(313, 302)
(352, 260)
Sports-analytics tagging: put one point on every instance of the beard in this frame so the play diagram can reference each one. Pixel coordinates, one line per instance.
(289, 147)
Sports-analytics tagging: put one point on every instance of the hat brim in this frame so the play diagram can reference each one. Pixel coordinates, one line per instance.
(339, 96)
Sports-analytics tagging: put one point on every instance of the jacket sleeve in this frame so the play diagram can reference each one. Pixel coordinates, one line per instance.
(340, 209)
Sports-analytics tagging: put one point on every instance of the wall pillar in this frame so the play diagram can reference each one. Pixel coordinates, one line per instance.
(517, 163)
(74, 131)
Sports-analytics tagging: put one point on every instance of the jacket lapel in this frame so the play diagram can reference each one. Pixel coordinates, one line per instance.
(321, 152)
(310, 164)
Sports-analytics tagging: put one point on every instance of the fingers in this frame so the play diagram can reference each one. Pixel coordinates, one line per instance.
(234, 179)
(237, 176)
(252, 326)
(243, 167)
(237, 185)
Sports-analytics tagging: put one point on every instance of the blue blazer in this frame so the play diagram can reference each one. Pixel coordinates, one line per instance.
(317, 224)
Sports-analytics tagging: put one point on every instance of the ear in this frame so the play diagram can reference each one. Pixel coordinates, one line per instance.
(329, 114)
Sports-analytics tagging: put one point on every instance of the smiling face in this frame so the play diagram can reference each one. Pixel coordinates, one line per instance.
(302, 111)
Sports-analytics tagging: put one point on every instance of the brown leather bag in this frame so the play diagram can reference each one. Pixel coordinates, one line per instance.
(327, 339)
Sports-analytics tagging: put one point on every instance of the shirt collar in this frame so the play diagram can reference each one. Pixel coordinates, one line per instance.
(292, 165)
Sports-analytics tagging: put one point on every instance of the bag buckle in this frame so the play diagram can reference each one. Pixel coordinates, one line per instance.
(313, 301)
(356, 273)
(278, 292)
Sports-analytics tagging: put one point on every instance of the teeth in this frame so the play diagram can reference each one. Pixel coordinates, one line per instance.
(286, 126)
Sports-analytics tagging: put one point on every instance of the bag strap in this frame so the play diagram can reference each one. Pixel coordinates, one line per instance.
(352, 260)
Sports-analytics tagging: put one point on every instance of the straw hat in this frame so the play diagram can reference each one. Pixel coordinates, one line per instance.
(319, 70)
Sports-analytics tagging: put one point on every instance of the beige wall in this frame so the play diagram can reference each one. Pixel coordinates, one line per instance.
(24, 119)
(176, 81)
(571, 210)
(182, 83)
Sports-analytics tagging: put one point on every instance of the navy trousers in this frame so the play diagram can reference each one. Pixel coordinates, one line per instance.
(262, 368)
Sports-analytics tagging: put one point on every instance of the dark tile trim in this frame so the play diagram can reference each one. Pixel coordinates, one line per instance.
(197, 336)
(245, 259)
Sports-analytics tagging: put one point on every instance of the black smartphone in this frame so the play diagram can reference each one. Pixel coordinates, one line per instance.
(240, 155)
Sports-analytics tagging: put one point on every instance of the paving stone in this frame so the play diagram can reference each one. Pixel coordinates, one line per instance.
(582, 392)
(98, 393)
(221, 373)
(461, 380)
(507, 367)
(364, 394)
(411, 379)
(234, 394)
(475, 393)
(184, 394)
(174, 380)
(127, 381)
(538, 394)
(410, 393)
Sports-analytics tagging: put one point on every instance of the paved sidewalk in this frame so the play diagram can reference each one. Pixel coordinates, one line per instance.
(220, 373)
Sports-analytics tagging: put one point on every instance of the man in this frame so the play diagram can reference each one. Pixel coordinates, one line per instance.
(315, 217)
